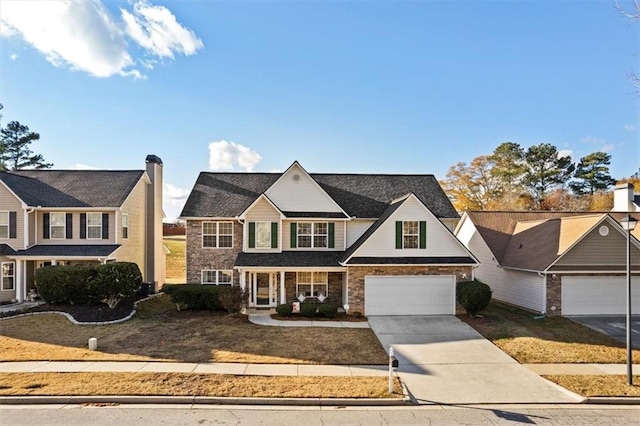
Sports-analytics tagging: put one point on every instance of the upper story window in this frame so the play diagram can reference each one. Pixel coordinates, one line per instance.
(313, 235)
(411, 234)
(210, 276)
(4, 224)
(263, 235)
(94, 226)
(57, 226)
(8, 274)
(125, 225)
(217, 234)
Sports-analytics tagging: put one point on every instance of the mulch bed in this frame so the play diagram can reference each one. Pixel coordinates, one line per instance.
(86, 313)
(339, 317)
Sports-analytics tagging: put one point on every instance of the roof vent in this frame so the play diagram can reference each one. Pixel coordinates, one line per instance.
(604, 230)
(295, 177)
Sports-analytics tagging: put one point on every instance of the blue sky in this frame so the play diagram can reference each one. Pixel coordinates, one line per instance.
(389, 87)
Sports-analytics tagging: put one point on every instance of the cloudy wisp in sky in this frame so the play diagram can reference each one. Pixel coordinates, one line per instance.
(228, 156)
(85, 36)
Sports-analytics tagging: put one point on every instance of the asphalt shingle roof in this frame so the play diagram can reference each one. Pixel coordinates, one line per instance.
(87, 250)
(72, 188)
(6, 249)
(290, 258)
(359, 195)
(411, 261)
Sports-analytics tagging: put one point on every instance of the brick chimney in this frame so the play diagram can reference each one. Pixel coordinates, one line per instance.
(155, 261)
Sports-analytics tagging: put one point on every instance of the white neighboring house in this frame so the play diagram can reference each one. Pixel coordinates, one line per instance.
(625, 199)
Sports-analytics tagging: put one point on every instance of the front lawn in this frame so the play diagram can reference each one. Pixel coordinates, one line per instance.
(598, 385)
(549, 340)
(160, 333)
(176, 266)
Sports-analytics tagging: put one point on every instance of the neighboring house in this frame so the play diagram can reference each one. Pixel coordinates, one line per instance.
(556, 263)
(379, 244)
(625, 199)
(60, 217)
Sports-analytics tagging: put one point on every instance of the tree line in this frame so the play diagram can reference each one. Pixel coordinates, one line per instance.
(15, 153)
(538, 178)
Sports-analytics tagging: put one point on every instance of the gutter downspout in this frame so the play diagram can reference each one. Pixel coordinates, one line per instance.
(544, 292)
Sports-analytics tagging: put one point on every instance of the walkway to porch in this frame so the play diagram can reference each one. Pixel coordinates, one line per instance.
(263, 317)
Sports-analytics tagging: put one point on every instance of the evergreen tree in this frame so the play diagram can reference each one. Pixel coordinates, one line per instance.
(592, 174)
(545, 169)
(15, 153)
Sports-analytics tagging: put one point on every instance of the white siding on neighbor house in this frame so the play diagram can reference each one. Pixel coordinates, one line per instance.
(440, 242)
(9, 202)
(304, 195)
(593, 295)
(338, 235)
(355, 229)
(525, 289)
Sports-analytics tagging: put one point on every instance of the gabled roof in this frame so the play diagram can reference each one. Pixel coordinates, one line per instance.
(67, 250)
(72, 188)
(359, 195)
(6, 249)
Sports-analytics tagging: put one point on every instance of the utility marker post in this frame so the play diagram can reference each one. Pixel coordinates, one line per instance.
(393, 363)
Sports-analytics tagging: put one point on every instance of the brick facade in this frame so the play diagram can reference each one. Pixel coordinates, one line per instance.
(357, 275)
(199, 258)
(335, 281)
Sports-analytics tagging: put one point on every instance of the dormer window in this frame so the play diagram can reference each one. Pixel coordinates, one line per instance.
(411, 234)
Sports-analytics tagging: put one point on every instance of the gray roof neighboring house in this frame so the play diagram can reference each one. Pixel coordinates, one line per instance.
(67, 250)
(359, 195)
(72, 188)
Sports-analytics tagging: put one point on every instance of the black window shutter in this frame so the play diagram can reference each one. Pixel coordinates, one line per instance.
(13, 225)
(69, 225)
(45, 226)
(83, 226)
(274, 234)
(294, 235)
(105, 226)
(399, 234)
(332, 233)
(423, 234)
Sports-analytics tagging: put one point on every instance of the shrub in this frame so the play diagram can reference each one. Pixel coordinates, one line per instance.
(357, 314)
(65, 284)
(329, 310)
(284, 310)
(194, 296)
(474, 296)
(114, 281)
(308, 310)
(233, 299)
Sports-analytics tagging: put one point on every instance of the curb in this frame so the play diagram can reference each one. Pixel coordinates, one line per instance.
(204, 400)
(613, 400)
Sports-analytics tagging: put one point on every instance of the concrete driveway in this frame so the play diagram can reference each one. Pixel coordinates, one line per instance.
(612, 325)
(445, 361)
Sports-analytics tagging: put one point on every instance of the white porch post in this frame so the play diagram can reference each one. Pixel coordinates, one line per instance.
(243, 279)
(283, 299)
(53, 262)
(19, 282)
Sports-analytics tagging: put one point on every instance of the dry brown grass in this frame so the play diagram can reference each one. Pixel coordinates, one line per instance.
(176, 267)
(163, 334)
(547, 340)
(598, 385)
(191, 384)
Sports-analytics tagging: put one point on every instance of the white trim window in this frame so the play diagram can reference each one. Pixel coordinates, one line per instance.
(410, 234)
(94, 226)
(4, 224)
(125, 225)
(217, 234)
(263, 235)
(313, 235)
(217, 277)
(312, 284)
(8, 276)
(57, 226)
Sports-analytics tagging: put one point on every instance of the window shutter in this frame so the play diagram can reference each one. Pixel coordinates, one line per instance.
(294, 235)
(252, 235)
(332, 232)
(105, 226)
(83, 225)
(423, 234)
(399, 234)
(274, 234)
(69, 226)
(45, 226)
(13, 225)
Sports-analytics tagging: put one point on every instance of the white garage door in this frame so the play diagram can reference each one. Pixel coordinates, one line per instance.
(598, 295)
(410, 295)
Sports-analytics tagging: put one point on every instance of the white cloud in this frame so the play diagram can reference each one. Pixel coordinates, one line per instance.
(225, 155)
(592, 140)
(80, 166)
(83, 35)
(173, 195)
(565, 153)
(156, 29)
(275, 171)
(629, 127)
(608, 147)
(13, 56)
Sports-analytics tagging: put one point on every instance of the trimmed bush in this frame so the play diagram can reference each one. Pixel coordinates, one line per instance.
(194, 296)
(233, 299)
(114, 281)
(308, 310)
(65, 284)
(474, 296)
(329, 310)
(284, 310)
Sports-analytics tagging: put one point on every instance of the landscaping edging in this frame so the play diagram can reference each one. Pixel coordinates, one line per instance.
(74, 321)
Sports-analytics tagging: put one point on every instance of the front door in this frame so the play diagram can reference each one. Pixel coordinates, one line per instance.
(262, 289)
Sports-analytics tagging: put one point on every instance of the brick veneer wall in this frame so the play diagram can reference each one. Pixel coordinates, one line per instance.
(357, 275)
(335, 280)
(199, 258)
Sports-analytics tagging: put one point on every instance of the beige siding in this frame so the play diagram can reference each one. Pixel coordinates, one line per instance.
(9, 202)
(76, 230)
(262, 211)
(338, 236)
(133, 248)
(440, 242)
(32, 228)
(355, 229)
(8, 295)
(304, 195)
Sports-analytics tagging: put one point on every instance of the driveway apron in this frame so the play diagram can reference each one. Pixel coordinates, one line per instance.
(445, 361)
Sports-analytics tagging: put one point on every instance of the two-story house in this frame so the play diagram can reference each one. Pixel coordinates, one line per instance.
(59, 217)
(375, 244)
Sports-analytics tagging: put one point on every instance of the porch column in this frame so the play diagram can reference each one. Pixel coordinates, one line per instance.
(19, 282)
(243, 279)
(53, 262)
(283, 299)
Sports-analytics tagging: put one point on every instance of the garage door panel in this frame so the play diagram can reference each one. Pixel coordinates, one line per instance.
(410, 295)
(589, 295)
